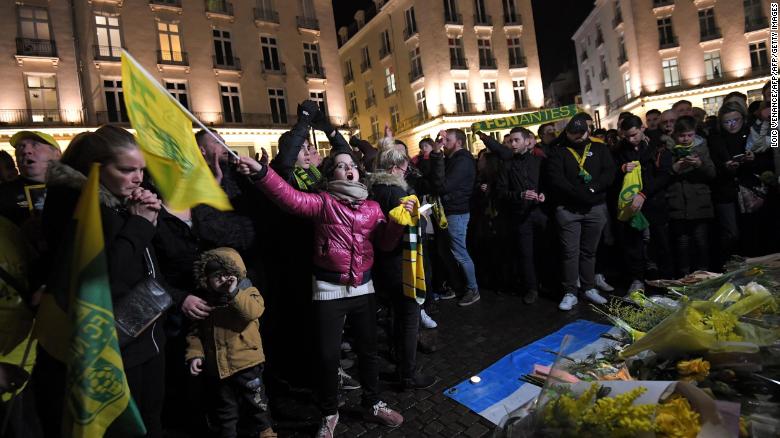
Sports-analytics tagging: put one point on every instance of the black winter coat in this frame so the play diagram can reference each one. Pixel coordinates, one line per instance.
(723, 148)
(656, 165)
(562, 173)
(126, 236)
(460, 173)
(388, 190)
(522, 172)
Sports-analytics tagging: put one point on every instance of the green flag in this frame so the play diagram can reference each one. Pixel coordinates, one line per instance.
(528, 119)
(79, 312)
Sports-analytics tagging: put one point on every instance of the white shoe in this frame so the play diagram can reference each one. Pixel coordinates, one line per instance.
(568, 301)
(636, 285)
(594, 296)
(328, 426)
(427, 321)
(602, 284)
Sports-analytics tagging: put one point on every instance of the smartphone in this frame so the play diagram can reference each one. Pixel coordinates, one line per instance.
(738, 158)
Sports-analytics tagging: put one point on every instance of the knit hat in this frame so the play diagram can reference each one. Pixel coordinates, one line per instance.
(578, 124)
(40, 137)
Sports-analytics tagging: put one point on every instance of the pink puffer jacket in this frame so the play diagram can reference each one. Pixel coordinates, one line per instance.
(343, 234)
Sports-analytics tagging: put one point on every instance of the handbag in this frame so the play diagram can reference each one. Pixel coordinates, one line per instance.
(142, 306)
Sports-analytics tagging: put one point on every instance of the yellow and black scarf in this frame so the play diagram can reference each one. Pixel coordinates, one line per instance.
(413, 270)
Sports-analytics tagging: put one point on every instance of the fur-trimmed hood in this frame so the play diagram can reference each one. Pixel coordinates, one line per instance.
(228, 258)
(388, 179)
(62, 175)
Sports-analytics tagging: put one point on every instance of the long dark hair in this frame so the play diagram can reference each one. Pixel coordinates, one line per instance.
(100, 146)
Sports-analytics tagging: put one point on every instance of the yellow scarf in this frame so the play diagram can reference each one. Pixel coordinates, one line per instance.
(413, 271)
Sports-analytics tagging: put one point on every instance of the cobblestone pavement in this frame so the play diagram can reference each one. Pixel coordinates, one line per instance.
(469, 340)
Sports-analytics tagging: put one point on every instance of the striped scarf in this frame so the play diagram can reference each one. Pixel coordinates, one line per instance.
(307, 179)
(413, 271)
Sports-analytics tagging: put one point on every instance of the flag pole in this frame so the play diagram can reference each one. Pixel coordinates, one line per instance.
(181, 107)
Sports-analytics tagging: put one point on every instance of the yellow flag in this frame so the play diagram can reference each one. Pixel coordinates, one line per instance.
(164, 132)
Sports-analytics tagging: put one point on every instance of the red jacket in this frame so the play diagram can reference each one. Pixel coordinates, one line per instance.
(343, 234)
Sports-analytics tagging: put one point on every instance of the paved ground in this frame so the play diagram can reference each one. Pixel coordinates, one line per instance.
(469, 339)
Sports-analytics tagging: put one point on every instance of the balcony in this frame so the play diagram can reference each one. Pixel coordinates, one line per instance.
(710, 34)
(517, 62)
(39, 117)
(219, 9)
(167, 57)
(584, 56)
(35, 47)
(107, 53)
(415, 74)
(622, 59)
(169, 5)
(483, 20)
(409, 32)
(349, 78)
(513, 20)
(313, 71)
(226, 63)
(668, 43)
(116, 117)
(370, 101)
(308, 23)
(259, 120)
(753, 24)
(487, 63)
(364, 66)
(273, 69)
(459, 64)
(266, 16)
(390, 91)
(599, 39)
(384, 52)
(662, 3)
(454, 19)
(603, 75)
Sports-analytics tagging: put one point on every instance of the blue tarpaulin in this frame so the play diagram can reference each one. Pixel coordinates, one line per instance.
(499, 382)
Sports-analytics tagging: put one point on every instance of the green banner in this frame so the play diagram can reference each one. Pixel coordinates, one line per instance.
(535, 118)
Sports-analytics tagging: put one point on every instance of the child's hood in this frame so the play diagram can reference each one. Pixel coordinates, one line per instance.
(227, 258)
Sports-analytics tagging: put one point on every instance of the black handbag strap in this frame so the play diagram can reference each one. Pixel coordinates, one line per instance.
(149, 263)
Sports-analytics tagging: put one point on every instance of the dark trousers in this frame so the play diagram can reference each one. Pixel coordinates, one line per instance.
(633, 243)
(691, 243)
(239, 398)
(580, 233)
(660, 248)
(147, 386)
(406, 325)
(529, 235)
(329, 316)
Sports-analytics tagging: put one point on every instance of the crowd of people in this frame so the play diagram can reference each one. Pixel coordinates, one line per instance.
(268, 296)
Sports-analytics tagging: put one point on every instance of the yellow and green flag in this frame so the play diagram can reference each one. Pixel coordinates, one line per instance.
(77, 313)
(164, 132)
(527, 119)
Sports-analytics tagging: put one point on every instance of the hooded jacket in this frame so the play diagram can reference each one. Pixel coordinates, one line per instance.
(126, 238)
(562, 174)
(343, 233)
(229, 338)
(723, 147)
(689, 194)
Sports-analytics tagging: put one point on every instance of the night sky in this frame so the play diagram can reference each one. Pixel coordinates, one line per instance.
(553, 29)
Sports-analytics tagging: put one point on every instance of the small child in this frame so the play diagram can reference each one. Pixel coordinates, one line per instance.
(226, 345)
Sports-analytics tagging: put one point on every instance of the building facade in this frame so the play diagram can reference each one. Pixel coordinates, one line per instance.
(638, 55)
(239, 66)
(421, 66)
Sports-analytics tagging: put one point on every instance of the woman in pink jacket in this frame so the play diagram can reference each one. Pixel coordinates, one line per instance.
(346, 228)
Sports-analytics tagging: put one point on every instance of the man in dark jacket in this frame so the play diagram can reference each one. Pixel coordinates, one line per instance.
(459, 175)
(518, 187)
(579, 173)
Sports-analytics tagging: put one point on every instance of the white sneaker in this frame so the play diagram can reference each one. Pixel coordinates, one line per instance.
(636, 285)
(427, 321)
(328, 426)
(594, 296)
(602, 284)
(568, 301)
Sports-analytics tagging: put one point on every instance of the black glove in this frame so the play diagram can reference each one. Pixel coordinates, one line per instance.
(308, 110)
(321, 123)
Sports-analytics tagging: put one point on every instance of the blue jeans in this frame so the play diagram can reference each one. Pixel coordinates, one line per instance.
(458, 224)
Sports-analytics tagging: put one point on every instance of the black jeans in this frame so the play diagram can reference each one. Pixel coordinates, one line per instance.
(406, 325)
(239, 398)
(660, 248)
(633, 243)
(329, 316)
(147, 386)
(529, 237)
(691, 241)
